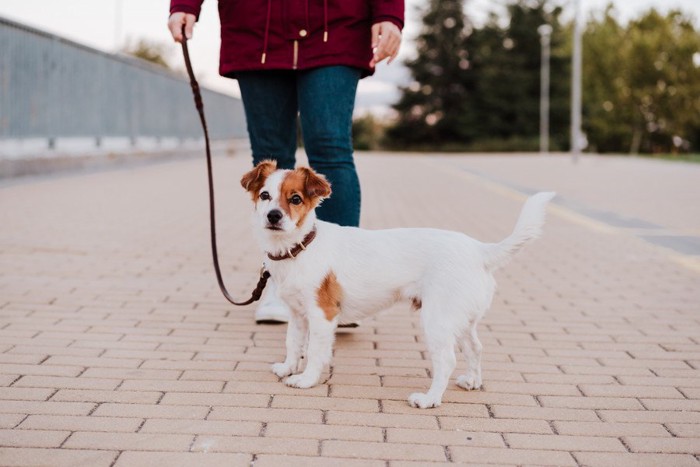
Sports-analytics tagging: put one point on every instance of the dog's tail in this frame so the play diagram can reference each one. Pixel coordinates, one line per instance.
(528, 227)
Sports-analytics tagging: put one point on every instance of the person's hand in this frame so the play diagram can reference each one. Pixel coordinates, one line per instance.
(386, 40)
(176, 21)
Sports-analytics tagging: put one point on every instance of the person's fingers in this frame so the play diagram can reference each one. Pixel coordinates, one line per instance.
(189, 25)
(175, 26)
(389, 42)
(175, 23)
(391, 45)
(394, 46)
(380, 46)
(376, 29)
(381, 52)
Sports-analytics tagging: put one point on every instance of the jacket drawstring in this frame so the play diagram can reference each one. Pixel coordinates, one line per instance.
(267, 31)
(267, 27)
(325, 20)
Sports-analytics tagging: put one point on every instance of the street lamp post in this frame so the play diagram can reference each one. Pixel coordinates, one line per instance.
(545, 31)
(576, 137)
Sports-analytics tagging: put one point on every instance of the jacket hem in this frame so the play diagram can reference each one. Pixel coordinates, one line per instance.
(229, 70)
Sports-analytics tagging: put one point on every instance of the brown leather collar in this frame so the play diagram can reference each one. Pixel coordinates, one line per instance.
(296, 249)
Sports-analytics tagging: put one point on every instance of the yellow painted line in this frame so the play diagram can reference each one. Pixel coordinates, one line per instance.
(687, 261)
(580, 219)
(560, 211)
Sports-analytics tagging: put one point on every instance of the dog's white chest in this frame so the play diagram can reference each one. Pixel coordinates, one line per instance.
(293, 288)
(294, 299)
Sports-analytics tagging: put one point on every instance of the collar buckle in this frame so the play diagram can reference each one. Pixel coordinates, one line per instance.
(293, 252)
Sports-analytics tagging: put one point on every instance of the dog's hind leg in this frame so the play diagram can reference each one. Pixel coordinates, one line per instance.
(471, 348)
(441, 344)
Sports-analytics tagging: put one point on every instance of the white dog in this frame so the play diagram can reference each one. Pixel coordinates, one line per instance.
(327, 273)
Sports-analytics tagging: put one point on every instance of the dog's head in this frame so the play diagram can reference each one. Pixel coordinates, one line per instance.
(285, 199)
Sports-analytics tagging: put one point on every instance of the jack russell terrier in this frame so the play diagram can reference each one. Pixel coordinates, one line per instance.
(327, 273)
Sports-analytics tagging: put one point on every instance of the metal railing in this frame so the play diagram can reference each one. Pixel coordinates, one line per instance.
(52, 88)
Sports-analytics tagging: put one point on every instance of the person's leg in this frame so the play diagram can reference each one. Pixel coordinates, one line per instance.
(270, 104)
(326, 99)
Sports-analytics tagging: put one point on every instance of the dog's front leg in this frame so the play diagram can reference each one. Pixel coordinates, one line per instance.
(319, 351)
(296, 338)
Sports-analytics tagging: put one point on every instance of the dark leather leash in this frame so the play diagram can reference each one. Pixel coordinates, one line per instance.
(264, 274)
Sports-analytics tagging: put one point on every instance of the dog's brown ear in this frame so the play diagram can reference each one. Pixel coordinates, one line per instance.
(315, 185)
(255, 179)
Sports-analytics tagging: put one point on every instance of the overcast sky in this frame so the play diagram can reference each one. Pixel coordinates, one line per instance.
(107, 24)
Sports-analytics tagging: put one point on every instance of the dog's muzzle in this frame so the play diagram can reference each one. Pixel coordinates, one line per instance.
(274, 217)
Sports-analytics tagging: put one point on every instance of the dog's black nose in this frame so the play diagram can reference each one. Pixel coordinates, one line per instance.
(274, 216)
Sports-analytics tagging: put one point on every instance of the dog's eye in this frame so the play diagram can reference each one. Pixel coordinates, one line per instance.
(296, 200)
(265, 196)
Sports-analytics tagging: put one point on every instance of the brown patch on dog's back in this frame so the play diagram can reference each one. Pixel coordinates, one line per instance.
(416, 303)
(329, 295)
(310, 186)
(255, 179)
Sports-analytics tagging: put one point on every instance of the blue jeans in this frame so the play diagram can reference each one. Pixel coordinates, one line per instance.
(324, 98)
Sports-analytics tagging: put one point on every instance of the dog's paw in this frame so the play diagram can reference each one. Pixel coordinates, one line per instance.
(470, 381)
(423, 401)
(281, 369)
(301, 381)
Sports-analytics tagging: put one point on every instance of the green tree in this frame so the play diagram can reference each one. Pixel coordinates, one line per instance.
(507, 63)
(481, 85)
(642, 84)
(606, 93)
(432, 109)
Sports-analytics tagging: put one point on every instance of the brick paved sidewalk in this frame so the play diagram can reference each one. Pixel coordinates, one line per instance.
(117, 349)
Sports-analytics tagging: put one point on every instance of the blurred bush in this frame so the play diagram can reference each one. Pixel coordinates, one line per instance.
(150, 51)
(367, 132)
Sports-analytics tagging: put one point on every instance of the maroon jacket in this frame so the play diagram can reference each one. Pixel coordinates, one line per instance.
(296, 34)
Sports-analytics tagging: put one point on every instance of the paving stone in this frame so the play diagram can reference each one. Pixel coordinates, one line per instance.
(116, 347)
